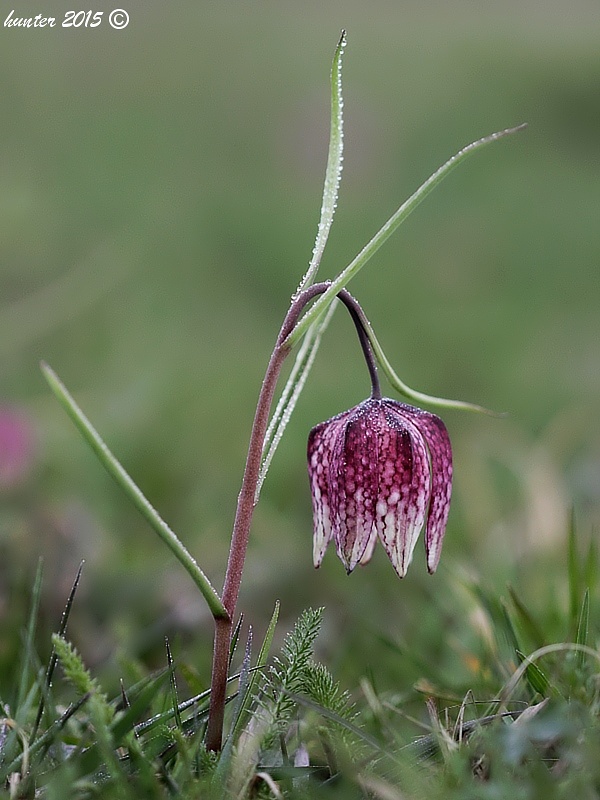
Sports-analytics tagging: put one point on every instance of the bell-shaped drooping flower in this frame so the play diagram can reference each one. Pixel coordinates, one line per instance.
(380, 470)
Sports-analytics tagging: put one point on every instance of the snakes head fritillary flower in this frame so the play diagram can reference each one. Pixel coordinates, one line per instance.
(381, 470)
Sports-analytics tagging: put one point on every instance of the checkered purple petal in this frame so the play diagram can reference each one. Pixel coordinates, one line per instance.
(440, 452)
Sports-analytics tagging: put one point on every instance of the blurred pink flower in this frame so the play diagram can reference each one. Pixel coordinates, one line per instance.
(380, 470)
(16, 446)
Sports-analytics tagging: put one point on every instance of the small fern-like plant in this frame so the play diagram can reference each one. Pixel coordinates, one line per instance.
(297, 678)
(289, 674)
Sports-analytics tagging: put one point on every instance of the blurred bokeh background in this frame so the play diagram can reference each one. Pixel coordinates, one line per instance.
(159, 196)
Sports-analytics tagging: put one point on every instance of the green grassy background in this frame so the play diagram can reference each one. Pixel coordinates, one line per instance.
(159, 195)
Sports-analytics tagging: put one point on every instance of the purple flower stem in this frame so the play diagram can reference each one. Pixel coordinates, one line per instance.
(243, 519)
(359, 319)
(246, 498)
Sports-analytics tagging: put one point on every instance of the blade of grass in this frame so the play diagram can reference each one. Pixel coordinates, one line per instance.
(583, 625)
(226, 753)
(369, 250)
(21, 713)
(530, 626)
(591, 565)
(261, 662)
(173, 685)
(124, 721)
(165, 716)
(45, 740)
(534, 675)
(559, 647)
(118, 473)
(53, 657)
(536, 679)
(573, 574)
(234, 638)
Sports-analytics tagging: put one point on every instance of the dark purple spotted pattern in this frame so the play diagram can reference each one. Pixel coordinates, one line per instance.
(378, 471)
(440, 452)
(321, 441)
(353, 485)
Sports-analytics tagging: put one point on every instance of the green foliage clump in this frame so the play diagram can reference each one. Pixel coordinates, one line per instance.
(528, 724)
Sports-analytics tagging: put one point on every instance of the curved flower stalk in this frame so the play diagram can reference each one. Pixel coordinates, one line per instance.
(379, 471)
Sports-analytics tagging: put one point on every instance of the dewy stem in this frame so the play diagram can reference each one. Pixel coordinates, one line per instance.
(243, 520)
(246, 498)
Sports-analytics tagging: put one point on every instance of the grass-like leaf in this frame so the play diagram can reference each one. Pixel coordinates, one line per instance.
(583, 625)
(261, 662)
(573, 573)
(333, 171)
(526, 619)
(125, 721)
(38, 748)
(118, 473)
(535, 677)
(559, 647)
(403, 388)
(173, 686)
(307, 353)
(29, 639)
(305, 359)
(53, 657)
(369, 250)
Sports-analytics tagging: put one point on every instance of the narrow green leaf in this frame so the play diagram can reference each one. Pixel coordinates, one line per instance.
(244, 679)
(118, 473)
(369, 250)
(583, 625)
(173, 685)
(534, 676)
(256, 674)
(306, 356)
(404, 389)
(291, 393)
(559, 647)
(530, 626)
(41, 744)
(29, 643)
(53, 658)
(234, 638)
(573, 573)
(333, 171)
(201, 701)
(509, 628)
(590, 570)
(124, 722)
